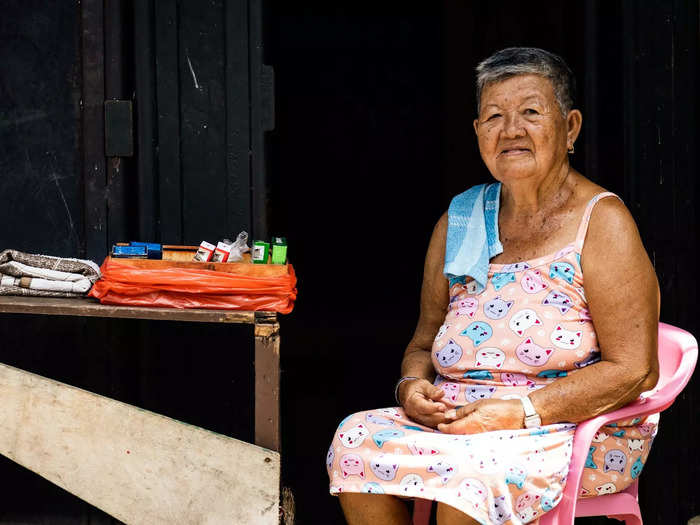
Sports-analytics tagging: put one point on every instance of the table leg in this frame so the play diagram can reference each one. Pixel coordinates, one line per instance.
(267, 381)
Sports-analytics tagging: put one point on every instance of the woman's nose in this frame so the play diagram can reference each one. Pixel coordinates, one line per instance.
(513, 126)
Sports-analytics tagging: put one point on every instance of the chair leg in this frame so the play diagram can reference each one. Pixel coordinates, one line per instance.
(421, 511)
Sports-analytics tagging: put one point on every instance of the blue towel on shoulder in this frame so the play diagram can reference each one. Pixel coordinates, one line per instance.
(472, 234)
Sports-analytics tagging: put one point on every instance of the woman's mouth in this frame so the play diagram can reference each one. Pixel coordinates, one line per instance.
(512, 152)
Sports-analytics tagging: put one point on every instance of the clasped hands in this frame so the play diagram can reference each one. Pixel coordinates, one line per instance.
(422, 402)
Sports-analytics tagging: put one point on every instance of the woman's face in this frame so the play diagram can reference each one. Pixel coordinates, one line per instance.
(521, 130)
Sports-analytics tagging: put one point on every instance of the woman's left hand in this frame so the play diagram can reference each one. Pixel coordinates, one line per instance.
(485, 415)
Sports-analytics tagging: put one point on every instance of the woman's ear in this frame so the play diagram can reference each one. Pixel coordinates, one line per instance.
(476, 126)
(573, 125)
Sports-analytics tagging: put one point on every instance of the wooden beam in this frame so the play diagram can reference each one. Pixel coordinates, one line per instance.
(92, 308)
(267, 381)
(138, 466)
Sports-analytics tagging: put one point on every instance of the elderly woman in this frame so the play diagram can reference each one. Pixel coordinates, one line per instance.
(510, 352)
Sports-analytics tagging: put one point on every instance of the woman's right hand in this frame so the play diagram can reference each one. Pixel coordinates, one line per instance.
(420, 400)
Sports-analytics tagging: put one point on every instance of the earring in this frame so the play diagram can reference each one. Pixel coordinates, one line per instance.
(570, 150)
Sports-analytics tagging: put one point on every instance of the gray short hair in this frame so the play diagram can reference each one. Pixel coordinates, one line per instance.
(514, 61)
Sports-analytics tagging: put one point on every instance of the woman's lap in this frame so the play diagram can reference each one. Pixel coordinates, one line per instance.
(522, 472)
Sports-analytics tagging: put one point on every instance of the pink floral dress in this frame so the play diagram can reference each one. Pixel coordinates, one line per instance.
(529, 327)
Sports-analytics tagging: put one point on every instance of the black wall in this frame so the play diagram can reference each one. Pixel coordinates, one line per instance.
(373, 136)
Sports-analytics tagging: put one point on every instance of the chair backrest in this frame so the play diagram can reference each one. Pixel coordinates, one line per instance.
(678, 353)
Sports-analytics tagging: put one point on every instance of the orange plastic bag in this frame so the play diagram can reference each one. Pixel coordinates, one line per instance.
(125, 284)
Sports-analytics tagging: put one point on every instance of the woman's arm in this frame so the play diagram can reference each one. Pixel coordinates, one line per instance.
(623, 299)
(420, 398)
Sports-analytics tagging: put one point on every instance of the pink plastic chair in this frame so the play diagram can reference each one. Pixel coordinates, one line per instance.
(678, 354)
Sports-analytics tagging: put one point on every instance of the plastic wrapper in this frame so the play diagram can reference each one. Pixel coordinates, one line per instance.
(124, 284)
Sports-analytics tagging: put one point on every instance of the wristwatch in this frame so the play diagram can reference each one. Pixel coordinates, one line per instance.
(532, 418)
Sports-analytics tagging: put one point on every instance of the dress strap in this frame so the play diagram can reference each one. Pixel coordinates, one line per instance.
(583, 227)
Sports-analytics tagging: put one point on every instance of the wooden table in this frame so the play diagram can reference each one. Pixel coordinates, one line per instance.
(256, 468)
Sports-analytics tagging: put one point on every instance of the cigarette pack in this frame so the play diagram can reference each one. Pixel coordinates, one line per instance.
(204, 252)
(140, 252)
(279, 250)
(261, 251)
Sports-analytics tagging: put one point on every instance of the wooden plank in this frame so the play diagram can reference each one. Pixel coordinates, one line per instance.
(91, 308)
(138, 466)
(267, 381)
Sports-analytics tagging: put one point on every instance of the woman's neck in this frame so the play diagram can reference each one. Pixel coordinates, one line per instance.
(530, 197)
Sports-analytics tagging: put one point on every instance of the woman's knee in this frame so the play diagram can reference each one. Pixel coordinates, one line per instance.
(362, 508)
(448, 515)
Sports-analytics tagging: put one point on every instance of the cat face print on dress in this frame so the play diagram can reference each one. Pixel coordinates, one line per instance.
(635, 444)
(606, 488)
(592, 357)
(489, 357)
(412, 484)
(467, 307)
(515, 267)
(514, 379)
(389, 412)
(449, 354)
(566, 339)
(474, 491)
(478, 332)
(443, 469)
(476, 392)
(500, 279)
(589, 459)
(486, 462)
(515, 475)
(497, 308)
(442, 331)
(379, 420)
(532, 282)
(384, 467)
(417, 450)
(498, 512)
(615, 460)
(532, 354)
(352, 465)
(562, 270)
(526, 499)
(330, 457)
(451, 390)
(372, 487)
(550, 500)
(527, 515)
(637, 467)
(558, 300)
(383, 436)
(478, 374)
(599, 437)
(522, 320)
(354, 437)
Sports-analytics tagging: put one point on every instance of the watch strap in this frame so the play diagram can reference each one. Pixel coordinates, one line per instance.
(532, 418)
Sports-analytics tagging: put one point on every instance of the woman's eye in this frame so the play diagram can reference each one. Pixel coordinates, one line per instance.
(493, 116)
(530, 111)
